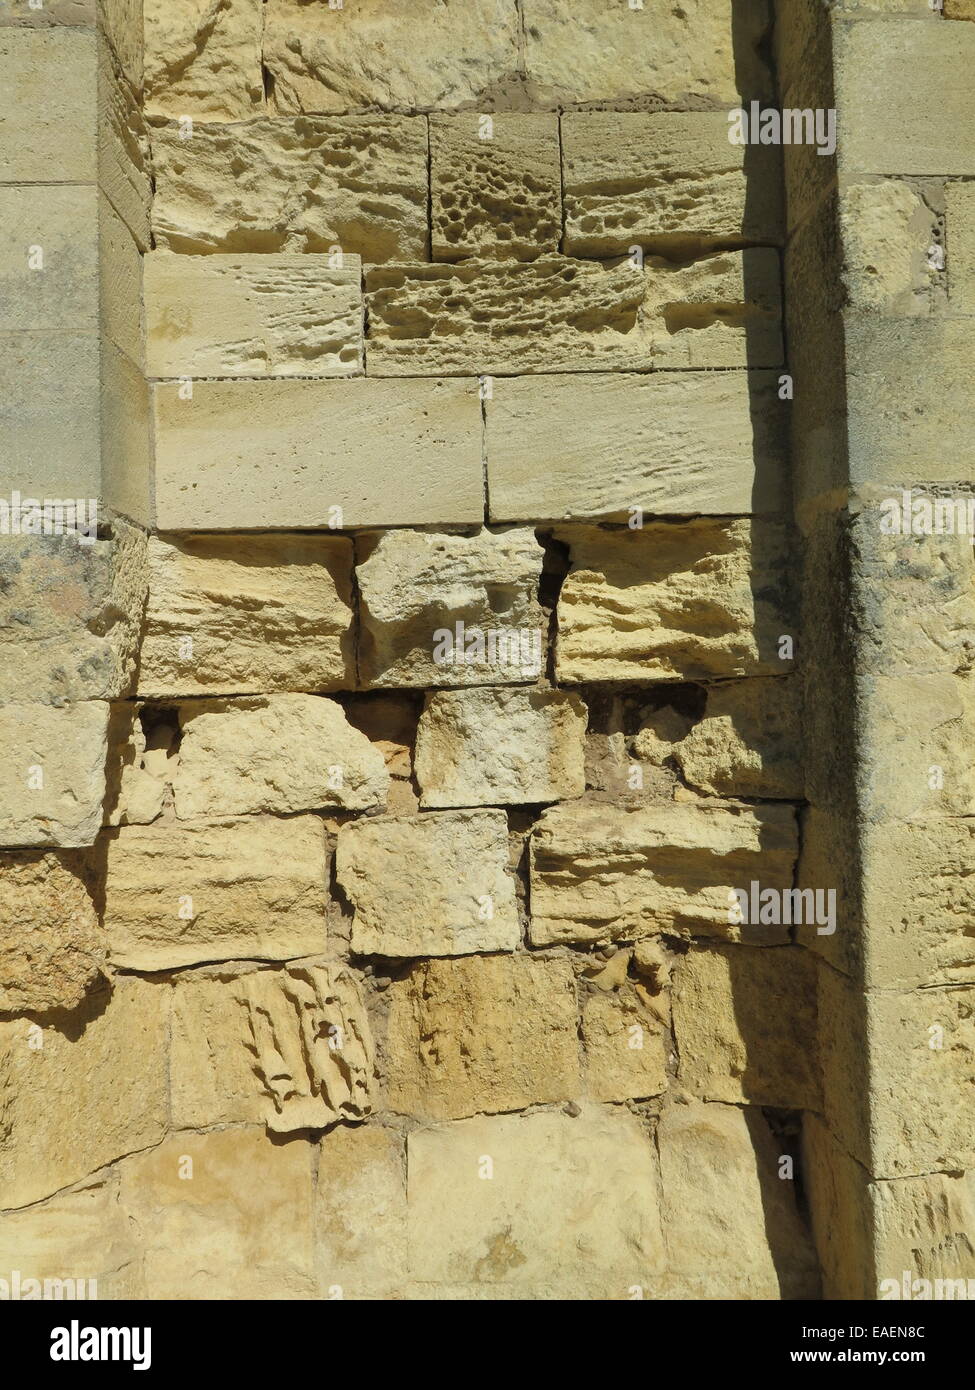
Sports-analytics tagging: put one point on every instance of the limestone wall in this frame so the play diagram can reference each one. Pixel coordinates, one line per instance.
(485, 598)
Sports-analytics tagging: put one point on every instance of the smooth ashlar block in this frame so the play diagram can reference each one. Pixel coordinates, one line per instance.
(242, 455)
(48, 106)
(253, 888)
(376, 55)
(495, 185)
(49, 270)
(693, 601)
(294, 184)
(602, 873)
(604, 445)
(429, 885)
(254, 315)
(666, 181)
(239, 614)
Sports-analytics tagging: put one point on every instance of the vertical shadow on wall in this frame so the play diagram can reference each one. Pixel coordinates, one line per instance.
(805, 447)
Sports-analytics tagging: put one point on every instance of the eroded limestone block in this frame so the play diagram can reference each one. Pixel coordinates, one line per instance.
(923, 1225)
(178, 895)
(429, 885)
(490, 747)
(602, 873)
(748, 742)
(725, 1209)
(103, 1083)
(294, 184)
(52, 773)
(202, 61)
(960, 219)
(124, 163)
(281, 753)
(77, 13)
(572, 1202)
(495, 186)
(674, 602)
(223, 1215)
(246, 455)
(671, 443)
(667, 181)
(441, 609)
(626, 1044)
(745, 1026)
(482, 1034)
(70, 614)
(360, 1212)
(379, 55)
(311, 1044)
(724, 310)
(51, 949)
(140, 766)
(253, 315)
(247, 613)
(705, 52)
(888, 231)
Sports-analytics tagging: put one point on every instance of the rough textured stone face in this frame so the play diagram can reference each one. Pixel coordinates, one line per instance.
(620, 609)
(625, 1046)
(51, 950)
(746, 744)
(708, 1154)
(440, 609)
(889, 231)
(52, 773)
(253, 315)
(673, 444)
(736, 1009)
(202, 62)
(254, 887)
(281, 754)
(104, 1088)
(246, 455)
(570, 1203)
(376, 55)
(293, 184)
(621, 169)
(484, 747)
(239, 614)
(601, 873)
(685, 55)
(495, 186)
(960, 217)
(480, 1034)
(69, 616)
(432, 885)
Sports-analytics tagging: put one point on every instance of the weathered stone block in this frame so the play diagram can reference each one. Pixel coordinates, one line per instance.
(745, 1026)
(69, 616)
(922, 1227)
(495, 186)
(253, 315)
(724, 310)
(960, 222)
(490, 747)
(912, 729)
(675, 443)
(571, 1203)
(726, 1212)
(888, 231)
(292, 1048)
(247, 613)
(51, 951)
(429, 885)
(667, 181)
(176, 896)
(747, 742)
(480, 1035)
(360, 1213)
(294, 184)
(625, 1044)
(698, 600)
(601, 873)
(240, 1227)
(439, 609)
(376, 55)
(704, 52)
(279, 753)
(202, 62)
(52, 773)
(103, 1081)
(123, 143)
(48, 105)
(257, 454)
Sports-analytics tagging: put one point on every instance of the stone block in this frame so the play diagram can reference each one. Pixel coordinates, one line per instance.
(52, 773)
(203, 63)
(48, 106)
(51, 949)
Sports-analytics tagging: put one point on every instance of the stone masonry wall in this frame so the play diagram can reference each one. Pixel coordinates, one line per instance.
(376, 784)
